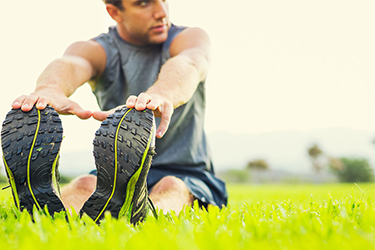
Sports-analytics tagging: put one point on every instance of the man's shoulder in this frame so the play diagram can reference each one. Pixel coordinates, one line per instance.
(108, 36)
(185, 32)
(174, 30)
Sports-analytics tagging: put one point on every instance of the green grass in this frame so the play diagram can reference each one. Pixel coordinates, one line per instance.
(258, 217)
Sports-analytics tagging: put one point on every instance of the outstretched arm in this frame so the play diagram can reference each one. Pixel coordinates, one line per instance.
(80, 62)
(177, 80)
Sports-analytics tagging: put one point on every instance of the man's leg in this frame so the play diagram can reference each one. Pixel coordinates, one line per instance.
(77, 192)
(171, 193)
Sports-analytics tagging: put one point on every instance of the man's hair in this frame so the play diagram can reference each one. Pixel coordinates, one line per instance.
(117, 3)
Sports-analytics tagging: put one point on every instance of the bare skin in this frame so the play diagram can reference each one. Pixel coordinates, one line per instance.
(77, 192)
(169, 194)
(142, 23)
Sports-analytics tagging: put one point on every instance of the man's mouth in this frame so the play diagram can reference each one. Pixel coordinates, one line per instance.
(159, 28)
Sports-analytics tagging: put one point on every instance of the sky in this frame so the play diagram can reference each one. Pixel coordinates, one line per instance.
(287, 65)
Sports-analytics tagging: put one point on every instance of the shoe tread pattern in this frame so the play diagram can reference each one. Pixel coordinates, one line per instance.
(140, 208)
(17, 136)
(133, 136)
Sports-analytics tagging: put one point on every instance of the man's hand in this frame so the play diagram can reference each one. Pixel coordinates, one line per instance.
(161, 107)
(61, 103)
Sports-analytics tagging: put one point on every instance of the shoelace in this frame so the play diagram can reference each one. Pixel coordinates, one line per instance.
(5, 187)
(152, 207)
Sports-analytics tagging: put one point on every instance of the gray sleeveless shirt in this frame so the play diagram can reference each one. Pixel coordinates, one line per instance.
(132, 69)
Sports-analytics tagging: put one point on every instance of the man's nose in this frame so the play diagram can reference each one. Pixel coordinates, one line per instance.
(161, 9)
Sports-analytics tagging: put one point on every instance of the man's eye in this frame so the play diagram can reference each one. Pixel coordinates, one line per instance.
(143, 3)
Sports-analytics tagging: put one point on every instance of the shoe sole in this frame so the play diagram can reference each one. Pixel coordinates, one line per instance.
(31, 144)
(121, 145)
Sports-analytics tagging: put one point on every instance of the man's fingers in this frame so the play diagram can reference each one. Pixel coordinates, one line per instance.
(60, 103)
(101, 115)
(18, 102)
(153, 104)
(42, 103)
(142, 101)
(166, 114)
(161, 107)
(73, 108)
(26, 102)
(29, 102)
(80, 112)
(130, 102)
(84, 114)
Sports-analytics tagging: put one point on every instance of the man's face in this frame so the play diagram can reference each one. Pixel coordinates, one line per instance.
(144, 21)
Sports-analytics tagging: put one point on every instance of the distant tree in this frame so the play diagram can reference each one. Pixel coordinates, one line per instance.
(315, 151)
(65, 179)
(352, 169)
(235, 176)
(336, 164)
(315, 154)
(257, 164)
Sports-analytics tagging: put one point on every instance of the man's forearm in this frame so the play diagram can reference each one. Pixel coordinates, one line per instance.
(177, 80)
(64, 74)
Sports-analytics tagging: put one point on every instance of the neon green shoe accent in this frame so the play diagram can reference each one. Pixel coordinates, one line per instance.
(126, 208)
(115, 175)
(136, 212)
(29, 160)
(128, 214)
(12, 183)
(55, 184)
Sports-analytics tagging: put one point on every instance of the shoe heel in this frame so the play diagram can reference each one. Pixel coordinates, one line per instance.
(31, 144)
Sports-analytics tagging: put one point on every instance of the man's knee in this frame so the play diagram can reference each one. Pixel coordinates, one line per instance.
(171, 193)
(84, 183)
(170, 183)
(78, 191)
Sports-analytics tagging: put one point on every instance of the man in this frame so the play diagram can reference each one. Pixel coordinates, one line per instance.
(144, 63)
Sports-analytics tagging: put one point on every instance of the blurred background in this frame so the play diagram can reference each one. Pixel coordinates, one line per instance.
(289, 93)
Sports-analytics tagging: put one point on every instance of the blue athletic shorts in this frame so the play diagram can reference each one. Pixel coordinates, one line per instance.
(202, 184)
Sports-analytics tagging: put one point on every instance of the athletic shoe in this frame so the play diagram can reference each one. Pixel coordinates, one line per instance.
(31, 144)
(123, 150)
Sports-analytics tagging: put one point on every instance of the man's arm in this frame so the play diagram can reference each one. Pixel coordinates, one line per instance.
(81, 62)
(179, 76)
(177, 80)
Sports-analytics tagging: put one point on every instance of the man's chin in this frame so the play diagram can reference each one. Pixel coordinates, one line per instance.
(159, 39)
